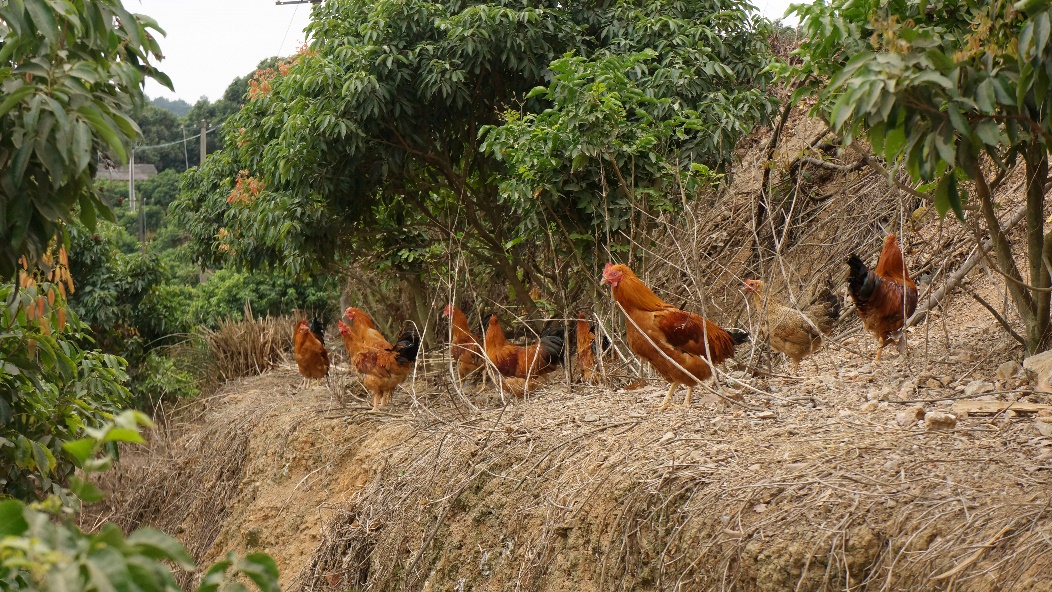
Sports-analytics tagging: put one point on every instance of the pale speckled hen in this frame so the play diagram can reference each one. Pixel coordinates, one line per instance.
(795, 333)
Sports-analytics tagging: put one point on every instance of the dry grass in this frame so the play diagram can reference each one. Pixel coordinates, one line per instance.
(587, 488)
(245, 347)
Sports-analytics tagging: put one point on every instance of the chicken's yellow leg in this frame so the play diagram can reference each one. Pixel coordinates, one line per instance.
(668, 397)
(686, 403)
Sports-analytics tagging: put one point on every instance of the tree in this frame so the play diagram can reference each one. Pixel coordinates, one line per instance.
(71, 74)
(373, 136)
(160, 126)
(950, 91)
(178, 106)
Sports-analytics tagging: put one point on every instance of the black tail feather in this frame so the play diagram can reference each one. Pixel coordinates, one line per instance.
(858, 283)
(553, 344)
(318, 328)
(408, 345)
(739, 336)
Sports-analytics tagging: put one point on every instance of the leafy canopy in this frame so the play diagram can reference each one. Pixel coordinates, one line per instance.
(933, 84)
(70, 74)
(949, 91)
(407, 123)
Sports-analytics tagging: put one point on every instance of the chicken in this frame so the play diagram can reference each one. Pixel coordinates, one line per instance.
(380, 365)
(588, 349)
(519, 365)
(885, 297)
(311, 357)
(465, 347)
(796, 333)
(678, 344)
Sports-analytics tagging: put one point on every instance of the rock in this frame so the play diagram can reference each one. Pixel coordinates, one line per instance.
(1040, 367)
(937, 420)
(978, 387)
(932, 383)
(1044, 428)
(766, 415)
(910, 415)
(907, 389)
(1009, 369)
(869, 406)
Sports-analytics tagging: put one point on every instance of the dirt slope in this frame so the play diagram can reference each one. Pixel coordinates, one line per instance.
(810, 483)
(584, 488)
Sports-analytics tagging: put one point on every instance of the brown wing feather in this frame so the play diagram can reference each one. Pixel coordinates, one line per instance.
(688, 332)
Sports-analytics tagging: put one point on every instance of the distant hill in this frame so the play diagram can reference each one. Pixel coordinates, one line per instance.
(178, 106)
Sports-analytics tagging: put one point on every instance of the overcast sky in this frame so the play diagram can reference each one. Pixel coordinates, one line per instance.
(211, 42)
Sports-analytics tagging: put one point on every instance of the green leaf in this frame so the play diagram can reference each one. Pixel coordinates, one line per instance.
(1031, 6)
(988, 132)
(15, 97)
(536, 91)
(157, 545)
(86, 491)
(103, 128)
(80, 449)
(12, 518)
(262, 570)
(45, 461)
(986, 97)
(43, 19)
(957, 119)
(123, 435)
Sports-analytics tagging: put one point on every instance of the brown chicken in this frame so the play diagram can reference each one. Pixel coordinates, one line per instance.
(380, 365)
(465, 347)
(311, 357)
(796, 333)
(673, 341)
(520, 366)
(885, 297)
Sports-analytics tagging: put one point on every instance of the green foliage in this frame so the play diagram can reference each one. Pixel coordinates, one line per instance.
(367, 144)
(962, 80)
(70, 73)
(225, 293)
(944, 89)
(41, 549)
(50, 389)
(160, 126)
(178, 106)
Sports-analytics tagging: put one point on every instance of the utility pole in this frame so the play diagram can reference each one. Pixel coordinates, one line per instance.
(204, 140)
(131, 182)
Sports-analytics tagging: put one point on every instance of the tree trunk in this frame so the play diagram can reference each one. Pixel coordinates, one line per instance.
(1022, 296)
(1038, 247)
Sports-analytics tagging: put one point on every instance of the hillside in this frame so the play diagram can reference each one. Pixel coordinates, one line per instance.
(825, 481)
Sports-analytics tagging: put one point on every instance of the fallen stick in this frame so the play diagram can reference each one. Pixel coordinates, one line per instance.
(974, 556)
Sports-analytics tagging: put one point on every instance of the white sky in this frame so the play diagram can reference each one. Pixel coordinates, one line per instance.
(211, 42)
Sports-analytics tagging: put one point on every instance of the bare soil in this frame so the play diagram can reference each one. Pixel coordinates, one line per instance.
(806, 482)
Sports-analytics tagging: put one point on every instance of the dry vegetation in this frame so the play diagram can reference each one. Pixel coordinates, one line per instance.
(807, 483)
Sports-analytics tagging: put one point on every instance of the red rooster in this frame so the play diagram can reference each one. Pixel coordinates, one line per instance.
(885, 297)
(517, 364)
(380, 365)
(662, 334)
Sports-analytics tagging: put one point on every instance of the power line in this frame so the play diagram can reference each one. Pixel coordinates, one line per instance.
(287, 28)
(183, 141)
